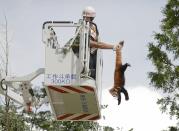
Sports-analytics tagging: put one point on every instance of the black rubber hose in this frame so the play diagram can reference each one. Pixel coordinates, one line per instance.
(1, 85)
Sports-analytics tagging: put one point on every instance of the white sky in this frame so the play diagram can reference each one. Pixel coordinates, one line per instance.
(140, 113)
(132, 21)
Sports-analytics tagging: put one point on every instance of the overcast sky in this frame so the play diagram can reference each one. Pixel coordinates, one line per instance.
(133, 21)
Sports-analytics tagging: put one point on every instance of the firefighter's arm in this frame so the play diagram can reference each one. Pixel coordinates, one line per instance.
(103, 45)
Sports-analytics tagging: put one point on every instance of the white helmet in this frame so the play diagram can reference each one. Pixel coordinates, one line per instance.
(89, 12)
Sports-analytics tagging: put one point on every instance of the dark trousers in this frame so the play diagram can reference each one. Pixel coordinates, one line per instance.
(92, 65)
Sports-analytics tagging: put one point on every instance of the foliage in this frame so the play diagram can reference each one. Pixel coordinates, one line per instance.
(16, 121)
(131, 129)
(171, 128)
(107, 128)
(164, 54)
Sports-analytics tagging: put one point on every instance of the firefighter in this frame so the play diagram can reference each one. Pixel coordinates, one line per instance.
(89, 14)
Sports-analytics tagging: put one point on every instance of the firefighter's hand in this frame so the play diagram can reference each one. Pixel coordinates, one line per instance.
(119, 45)
(115, 47)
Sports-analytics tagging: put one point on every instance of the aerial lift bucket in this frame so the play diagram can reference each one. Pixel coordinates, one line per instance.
(71, 95)
(70, 98)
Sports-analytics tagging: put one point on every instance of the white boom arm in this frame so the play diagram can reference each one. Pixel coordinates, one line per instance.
(22, 85)
(26, 78)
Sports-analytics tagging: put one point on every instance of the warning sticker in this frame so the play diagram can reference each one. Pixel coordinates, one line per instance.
(60, 79)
